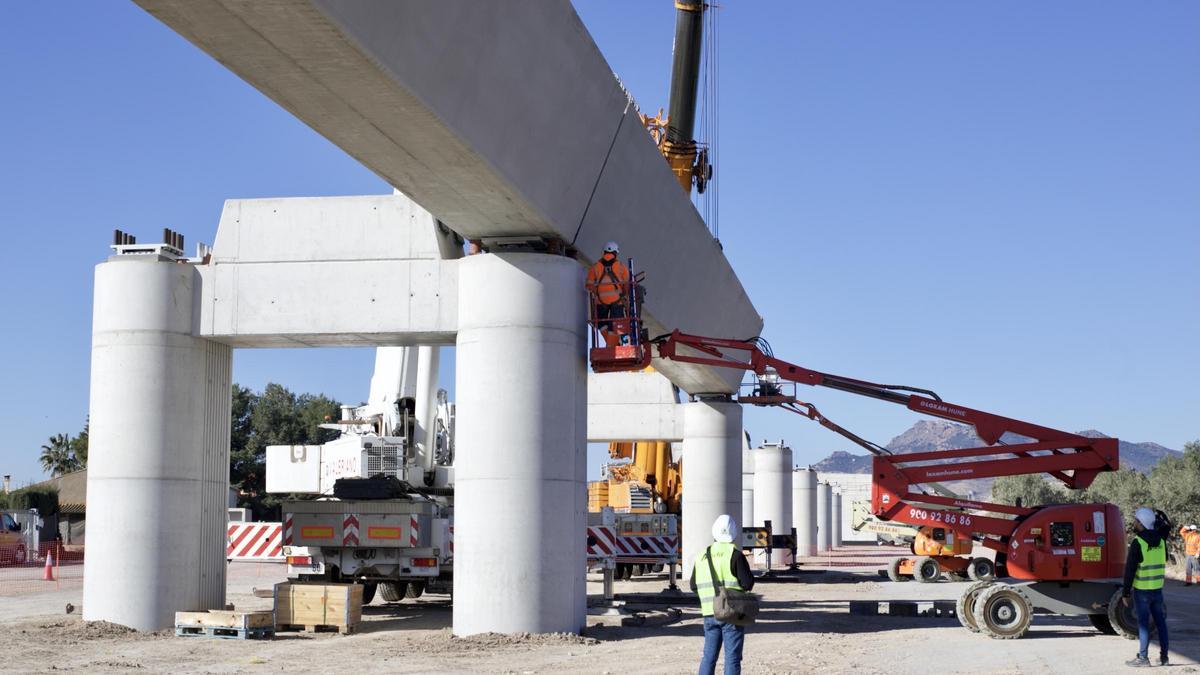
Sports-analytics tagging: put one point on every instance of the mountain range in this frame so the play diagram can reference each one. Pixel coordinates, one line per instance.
(927, 435)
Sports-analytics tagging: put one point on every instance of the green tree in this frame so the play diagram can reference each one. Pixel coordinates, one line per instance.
(274, 417)
(1031, 490)
(1127, 488)
(1175, 485)
(79, 445)
(56, 457)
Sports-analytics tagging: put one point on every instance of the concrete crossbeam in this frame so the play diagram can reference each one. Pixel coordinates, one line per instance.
(502, 119)
(328, 271)
(633, 407)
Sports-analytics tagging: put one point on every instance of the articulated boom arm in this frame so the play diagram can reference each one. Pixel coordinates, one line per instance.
(1072, 459)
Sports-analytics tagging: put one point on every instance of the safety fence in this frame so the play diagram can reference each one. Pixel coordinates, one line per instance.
(50, 566)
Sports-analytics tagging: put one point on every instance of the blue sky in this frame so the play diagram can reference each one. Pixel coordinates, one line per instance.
(995, 201)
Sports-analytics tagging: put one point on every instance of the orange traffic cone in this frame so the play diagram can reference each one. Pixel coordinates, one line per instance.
(48, 571)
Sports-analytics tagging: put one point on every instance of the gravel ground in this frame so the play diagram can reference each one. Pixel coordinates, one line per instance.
(805, 627)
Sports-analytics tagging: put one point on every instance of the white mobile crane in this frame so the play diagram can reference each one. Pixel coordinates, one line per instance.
(381, 510)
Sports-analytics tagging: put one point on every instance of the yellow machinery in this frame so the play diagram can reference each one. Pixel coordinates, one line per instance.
(651, 478)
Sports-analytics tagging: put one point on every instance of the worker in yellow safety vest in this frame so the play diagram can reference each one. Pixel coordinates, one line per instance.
(1145, 570)
(608, 283)
(732, 571)
(1191, 548)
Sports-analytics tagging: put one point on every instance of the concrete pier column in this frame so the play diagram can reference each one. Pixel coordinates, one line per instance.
(824, 517)
(521, 461)
(804, 511)
(158, 460)
(747, 483)
(712, 458)
(835, 519)
(773, 494)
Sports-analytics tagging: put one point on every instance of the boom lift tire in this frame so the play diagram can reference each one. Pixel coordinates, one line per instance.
(981, 569)
(964, 607)
(1123, 618)
(414, 590)
(1101, 623)
(893, 571)
(927, 570)
(393, 591)
(1003, 612)
(369, 589)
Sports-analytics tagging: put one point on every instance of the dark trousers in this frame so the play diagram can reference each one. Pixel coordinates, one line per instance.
(1150, 604)
(606, 313)
(717, 634)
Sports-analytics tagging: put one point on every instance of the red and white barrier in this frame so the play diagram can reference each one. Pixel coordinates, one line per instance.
(604, 542)
(254, 541)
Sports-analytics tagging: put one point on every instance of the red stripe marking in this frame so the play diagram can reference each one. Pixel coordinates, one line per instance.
(244, 549)
(245, 531)
(268, 535)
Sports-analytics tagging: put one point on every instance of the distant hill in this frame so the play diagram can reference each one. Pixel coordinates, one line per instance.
(927, 435)
(843, 462)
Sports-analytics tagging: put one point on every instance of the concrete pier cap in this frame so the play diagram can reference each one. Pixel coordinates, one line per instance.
(521, 461)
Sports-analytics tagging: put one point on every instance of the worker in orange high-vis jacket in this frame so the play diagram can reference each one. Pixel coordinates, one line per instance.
(608, 282)
(1191, 548)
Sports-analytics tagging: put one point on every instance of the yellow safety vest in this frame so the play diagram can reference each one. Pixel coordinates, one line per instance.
(1149, 575)
(722, 553)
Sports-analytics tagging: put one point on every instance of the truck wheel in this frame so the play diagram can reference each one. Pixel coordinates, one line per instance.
(1101, 623)
(964, 608)
(893, 571)
(927, 570)
(393, 591)
(981, 569)
(369, 592)
(1003, 612)
(415, 590)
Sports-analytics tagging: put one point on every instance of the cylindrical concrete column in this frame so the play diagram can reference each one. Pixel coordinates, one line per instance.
(712, 472)
(158, 450)
(804, 511)
(773, 494)
(747, 481)
(824, 522)
(835, 519)
(521, 461)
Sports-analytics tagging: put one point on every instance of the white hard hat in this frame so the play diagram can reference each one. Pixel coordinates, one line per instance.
(1191, 527)
(611, 247)
(1146, 517)
(725, 528)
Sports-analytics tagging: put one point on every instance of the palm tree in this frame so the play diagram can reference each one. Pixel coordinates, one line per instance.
(57, 457)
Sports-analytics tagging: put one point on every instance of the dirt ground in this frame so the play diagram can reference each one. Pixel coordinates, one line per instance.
(805, 627)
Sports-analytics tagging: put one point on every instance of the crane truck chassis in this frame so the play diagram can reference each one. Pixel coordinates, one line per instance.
(1064, 559)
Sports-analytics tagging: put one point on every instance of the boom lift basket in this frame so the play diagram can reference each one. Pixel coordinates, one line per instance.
(619, 340)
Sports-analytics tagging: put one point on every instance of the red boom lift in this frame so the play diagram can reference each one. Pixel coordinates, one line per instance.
(1064, 559)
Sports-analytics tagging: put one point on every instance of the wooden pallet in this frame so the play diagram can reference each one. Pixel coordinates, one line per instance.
(317, 628)
(225, 624)
(226, 633)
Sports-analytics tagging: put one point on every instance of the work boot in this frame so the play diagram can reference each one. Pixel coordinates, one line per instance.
(1139, 662)
(1163, 660)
